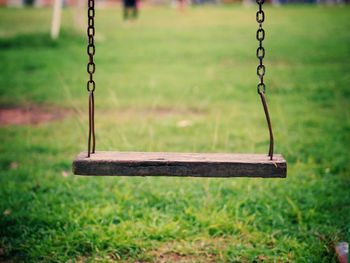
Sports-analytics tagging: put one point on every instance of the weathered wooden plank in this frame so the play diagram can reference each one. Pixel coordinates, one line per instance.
(180, 164)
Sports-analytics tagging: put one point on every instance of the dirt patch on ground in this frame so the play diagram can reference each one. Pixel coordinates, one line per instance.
(183, 252)
(30, 115)
(35, 114)
(176, 257)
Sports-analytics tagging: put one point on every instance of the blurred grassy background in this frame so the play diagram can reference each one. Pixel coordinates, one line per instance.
(177, 82)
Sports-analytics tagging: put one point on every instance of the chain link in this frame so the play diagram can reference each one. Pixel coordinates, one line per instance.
(260, 52)
(91, 46)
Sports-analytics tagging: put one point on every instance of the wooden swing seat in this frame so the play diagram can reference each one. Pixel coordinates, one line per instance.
(180, 164)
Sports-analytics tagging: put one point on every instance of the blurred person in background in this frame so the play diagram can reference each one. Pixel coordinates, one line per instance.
(130, 9)
(181, 5)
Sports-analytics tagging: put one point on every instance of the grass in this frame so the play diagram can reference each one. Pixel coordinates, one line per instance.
(167, 68)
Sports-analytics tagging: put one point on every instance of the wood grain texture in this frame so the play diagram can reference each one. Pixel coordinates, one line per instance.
(180, 164)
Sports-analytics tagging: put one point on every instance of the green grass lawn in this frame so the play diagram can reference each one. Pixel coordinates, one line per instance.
(167, 69)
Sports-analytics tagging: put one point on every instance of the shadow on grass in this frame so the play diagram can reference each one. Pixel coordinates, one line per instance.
(39, 40)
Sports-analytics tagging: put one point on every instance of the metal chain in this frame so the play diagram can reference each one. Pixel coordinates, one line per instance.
(90, 85)
(260, 52)
(261, 69)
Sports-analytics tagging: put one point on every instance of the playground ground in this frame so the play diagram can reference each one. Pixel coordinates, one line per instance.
(175, 81)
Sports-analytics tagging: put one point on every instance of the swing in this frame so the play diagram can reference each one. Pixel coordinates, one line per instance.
(99, 163)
